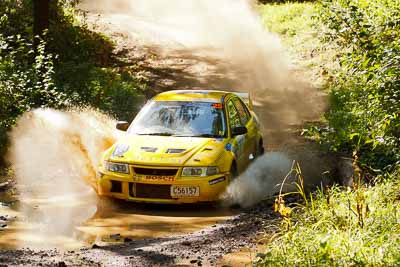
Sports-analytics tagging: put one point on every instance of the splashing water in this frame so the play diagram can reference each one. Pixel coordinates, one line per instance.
(54, 155)
(261, 180)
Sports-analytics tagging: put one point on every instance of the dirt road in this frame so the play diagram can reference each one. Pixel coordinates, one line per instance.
(146, 235)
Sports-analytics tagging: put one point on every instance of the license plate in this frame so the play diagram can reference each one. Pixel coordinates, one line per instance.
(185, 191)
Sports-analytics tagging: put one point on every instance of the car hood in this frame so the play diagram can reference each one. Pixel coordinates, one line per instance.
(167, 150)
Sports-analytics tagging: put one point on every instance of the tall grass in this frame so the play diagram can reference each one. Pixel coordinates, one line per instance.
(354, 227)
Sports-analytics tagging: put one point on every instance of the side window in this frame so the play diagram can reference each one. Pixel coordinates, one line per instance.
(233, 115)
(243, 112)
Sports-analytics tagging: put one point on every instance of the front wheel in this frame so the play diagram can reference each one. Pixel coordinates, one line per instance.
(260, 148)
(104, 205)
(233, 172)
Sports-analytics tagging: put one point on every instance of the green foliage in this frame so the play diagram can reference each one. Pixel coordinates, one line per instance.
(16, 18)
(294, 24)
(298, 28)
(288, 19)
(283, 1)
(364, 114)
(73, 66)
(358, 226)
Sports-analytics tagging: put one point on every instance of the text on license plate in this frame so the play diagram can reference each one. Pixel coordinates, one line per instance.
(185, 191)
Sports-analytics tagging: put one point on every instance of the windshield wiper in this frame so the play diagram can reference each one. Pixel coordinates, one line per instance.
(160, 134)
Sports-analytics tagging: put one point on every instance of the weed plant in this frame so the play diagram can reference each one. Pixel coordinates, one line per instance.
(336, 227)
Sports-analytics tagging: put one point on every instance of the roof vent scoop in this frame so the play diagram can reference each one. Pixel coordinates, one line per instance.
(175, 150)
(148, 149)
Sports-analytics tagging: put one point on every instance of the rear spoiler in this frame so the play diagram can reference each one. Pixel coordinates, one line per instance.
(246, 99)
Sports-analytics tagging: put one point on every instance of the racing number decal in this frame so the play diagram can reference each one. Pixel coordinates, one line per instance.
(235, 121)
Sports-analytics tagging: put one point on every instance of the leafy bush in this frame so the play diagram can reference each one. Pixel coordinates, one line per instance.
(26, 81)
(72, 67)
(15, 16)
(359, 226)
(365, 111)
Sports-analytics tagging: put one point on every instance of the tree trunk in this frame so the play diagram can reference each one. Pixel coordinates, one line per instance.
(41, 11)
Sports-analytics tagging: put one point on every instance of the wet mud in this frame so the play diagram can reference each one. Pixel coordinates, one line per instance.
(204, 247)
(114, 223)
(120, 233)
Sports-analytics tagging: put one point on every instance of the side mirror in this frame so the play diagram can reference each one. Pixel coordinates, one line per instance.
(122, 125)
(239, 130)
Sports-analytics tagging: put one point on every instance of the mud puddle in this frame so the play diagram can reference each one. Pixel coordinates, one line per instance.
(43, 225)
(141, 221)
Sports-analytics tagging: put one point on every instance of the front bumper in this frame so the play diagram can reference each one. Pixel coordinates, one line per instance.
(135, 188)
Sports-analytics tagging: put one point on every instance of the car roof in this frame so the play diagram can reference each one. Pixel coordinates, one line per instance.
(214, 96)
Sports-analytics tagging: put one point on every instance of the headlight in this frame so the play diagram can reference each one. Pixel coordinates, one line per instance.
(116, 167)
(200, 171)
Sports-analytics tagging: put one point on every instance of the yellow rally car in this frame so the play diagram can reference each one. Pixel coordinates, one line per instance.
(183, 147)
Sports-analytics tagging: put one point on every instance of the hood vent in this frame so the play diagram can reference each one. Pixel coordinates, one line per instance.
(175, 150)
(148, 149)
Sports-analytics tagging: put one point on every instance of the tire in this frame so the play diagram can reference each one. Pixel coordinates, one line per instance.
(260, 148)
(233, 172)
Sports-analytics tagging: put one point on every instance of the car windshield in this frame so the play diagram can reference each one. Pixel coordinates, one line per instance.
(180, 118)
